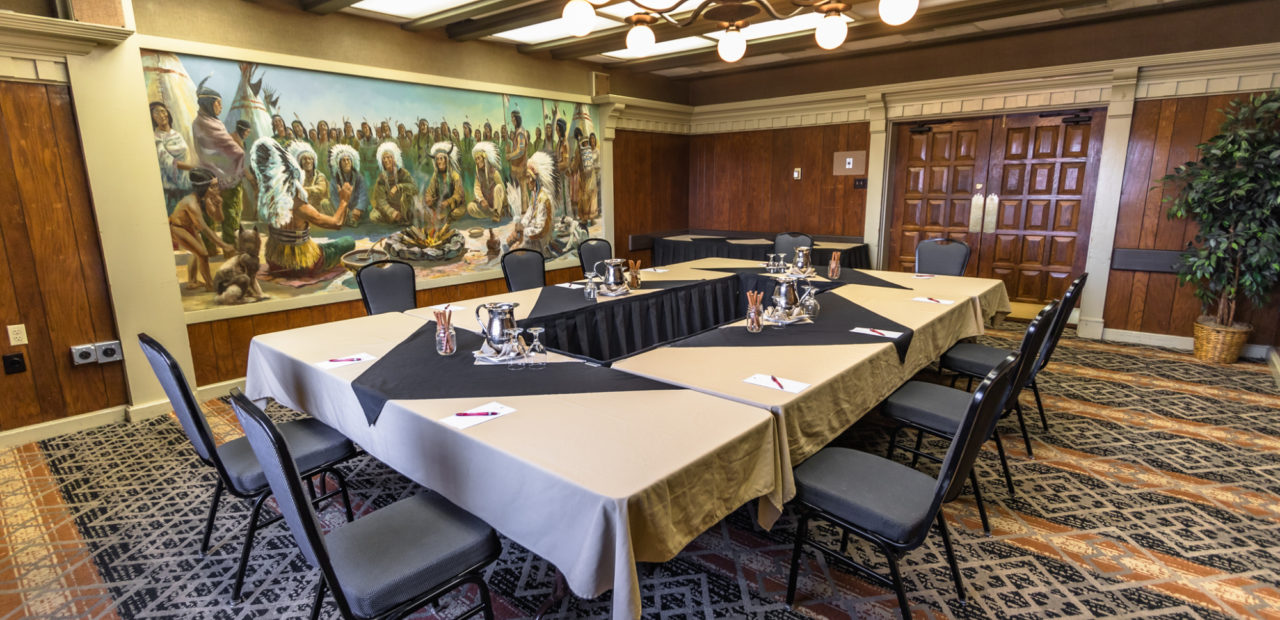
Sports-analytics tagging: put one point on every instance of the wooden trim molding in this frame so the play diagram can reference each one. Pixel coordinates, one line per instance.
(56, 37)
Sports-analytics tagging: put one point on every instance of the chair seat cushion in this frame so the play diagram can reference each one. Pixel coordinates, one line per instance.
(975, 360)
(928, 405)
(870, 491)
(312, 443)
(406, 549)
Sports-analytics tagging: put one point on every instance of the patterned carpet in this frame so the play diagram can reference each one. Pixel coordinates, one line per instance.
(1156, 493)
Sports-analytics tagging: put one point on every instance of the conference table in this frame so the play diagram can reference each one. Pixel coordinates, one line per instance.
(681, 248)
(603, 463)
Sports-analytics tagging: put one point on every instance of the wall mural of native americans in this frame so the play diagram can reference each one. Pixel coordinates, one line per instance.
(280, 182)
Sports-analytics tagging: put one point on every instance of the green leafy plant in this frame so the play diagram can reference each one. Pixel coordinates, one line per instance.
(1233, 194)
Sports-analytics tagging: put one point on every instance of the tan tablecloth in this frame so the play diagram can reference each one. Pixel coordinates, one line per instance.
(593, 482)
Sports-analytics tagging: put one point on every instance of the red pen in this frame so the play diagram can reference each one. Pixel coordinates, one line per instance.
(775, 380)
(933, 300)
(876, 331)
(466, 413)
(346, 359)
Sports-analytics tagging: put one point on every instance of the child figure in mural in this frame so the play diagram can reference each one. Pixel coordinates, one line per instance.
(344, 161)
(314, 181)
(283, 206)
(222, 153)
(535, 229)
(490, 193)
(392, 201)
(188, 229)
(443, 196)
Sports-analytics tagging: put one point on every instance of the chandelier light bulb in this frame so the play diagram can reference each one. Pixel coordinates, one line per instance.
(831, 31)
(599, 2)
(640, 39)
(579, 16)
(898, 12)
(732, 46)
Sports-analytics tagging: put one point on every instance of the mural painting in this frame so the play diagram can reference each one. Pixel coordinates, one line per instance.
(281, 182)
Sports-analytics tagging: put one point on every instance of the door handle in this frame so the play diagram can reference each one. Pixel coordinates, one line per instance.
(975, 213)
(989, 213)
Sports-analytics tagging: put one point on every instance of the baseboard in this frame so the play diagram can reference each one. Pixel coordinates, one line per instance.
(144, 411)
(53, 428)
(1256, 352)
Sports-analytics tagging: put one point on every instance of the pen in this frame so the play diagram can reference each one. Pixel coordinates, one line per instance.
(876, 331)
(775, 380)
(346, 359)
(466, 413)
(933, 300)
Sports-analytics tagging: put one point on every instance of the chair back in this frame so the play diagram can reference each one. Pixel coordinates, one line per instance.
(387, 286)
(1068, 303)
(1032, 343)
(787, 242)
(943, 257)
(190, 416)
(985, 407)
(524, 269)
(591, 252)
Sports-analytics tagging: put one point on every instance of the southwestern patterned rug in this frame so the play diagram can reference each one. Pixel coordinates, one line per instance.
(1155, 493)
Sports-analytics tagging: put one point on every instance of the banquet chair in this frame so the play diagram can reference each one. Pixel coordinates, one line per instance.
(973, 360)
(939, 410)
(319, 449)
(523, 269)
(388, 563)
(591, 252)
(890, 504)
(943, 257)
(387, 286)
(787, 242)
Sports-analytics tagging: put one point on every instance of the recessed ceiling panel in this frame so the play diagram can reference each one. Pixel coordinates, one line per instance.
(407, 9)
(627, 9)
(665, 47)
(549, 31)
(775, 27)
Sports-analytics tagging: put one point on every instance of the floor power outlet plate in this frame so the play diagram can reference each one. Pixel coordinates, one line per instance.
(14, 363)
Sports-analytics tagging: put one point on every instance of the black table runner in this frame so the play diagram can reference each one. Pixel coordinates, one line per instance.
(668, 251)
(414, 370)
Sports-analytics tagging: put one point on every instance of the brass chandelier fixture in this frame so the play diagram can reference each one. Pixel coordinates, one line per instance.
(732, 16)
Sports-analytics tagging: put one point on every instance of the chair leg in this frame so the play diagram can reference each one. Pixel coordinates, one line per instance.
(915, 458)
(1035, 389)
(1004, 463)
(953, 380)
(897, 582)
(795, 559)
(893, 441)
(951, 556)
(977, 498)
(346, 498)
(484, 598)
(318, 602)
(213, 512)
(1022, 424)
(968, 384)
(248, 545)
(844, 542)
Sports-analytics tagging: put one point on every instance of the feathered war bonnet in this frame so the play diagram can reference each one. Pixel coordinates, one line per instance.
(446, 148)
(489, 152)
(279, 181)
(298, 148)
(394, 149)
(544, 169)
(339, 151)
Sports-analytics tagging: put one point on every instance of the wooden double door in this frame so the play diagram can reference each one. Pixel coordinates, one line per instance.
(1018, 189)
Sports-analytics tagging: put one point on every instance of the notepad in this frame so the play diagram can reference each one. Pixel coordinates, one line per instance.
(871, 331)
(344, 360)
(655, 270)
(461, 422)
(795, 387)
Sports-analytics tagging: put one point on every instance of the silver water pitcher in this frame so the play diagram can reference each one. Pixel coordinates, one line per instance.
(786, 296)
(804, 259)
(614, 278)
(501, 317)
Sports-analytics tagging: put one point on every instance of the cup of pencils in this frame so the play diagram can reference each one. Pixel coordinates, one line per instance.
(755, 311)
(833, 267)
(446, 337)
(633, 274)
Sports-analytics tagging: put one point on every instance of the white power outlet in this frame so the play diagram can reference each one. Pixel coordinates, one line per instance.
(796, 174)
(17, 335)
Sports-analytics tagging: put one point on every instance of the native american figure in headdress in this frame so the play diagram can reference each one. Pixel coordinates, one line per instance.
(221, 153)
(283, 207)
(314, 180)
(489, 192)
(344, 163)
(536, 226)
(393, 192)
(444, 196)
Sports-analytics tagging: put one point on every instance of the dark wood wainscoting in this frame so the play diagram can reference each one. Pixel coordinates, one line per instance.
(743, 180)
(52, 277)
(220, 349)
(1164, 135)
(650, 187)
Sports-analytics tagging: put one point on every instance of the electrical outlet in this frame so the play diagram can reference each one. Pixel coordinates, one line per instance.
(796, 174)
(848, 163)
(859, 184)
(108, 351)
(17, 335)
(83, 354)
(14, 364)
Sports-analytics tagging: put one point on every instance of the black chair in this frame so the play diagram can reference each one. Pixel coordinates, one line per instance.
(942, 257)
(387, 286)
(973, 360)
(787, 242)
(888, 503)
(319, 449)
(524, 269)
(939, 410)
(591, 252)
(388, 563)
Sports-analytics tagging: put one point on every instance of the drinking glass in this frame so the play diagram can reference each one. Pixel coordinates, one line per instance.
(446, 340)
(515, 348)
(833, 268)
(537, 356)
(755, 318)
(809, 303)
(772, 265)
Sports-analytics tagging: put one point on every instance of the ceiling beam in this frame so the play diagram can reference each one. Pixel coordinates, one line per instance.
(325, 7)
(519, 17)
(456, 14)
(868, 29)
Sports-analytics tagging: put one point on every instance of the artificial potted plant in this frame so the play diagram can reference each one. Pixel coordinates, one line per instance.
(1232, 193)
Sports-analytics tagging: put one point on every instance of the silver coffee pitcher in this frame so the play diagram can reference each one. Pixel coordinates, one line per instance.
(786, 295)
(615, 271)
(501, 318)
(804, 260)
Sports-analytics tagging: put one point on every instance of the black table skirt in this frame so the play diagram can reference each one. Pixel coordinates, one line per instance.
(669, 251)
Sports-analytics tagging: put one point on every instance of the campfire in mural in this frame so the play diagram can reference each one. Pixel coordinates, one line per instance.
(310, 161)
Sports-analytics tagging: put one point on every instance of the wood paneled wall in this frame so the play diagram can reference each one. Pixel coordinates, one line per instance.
(743, 180)
(52, 277)
(650, 186)
(220, 349)
(1164, 135)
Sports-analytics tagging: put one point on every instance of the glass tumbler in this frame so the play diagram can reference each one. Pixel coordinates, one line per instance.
(755, 318)
(446, 340)
(514, 348)
(537, 357)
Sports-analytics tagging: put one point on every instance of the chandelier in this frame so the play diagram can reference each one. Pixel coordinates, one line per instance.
(732, 16)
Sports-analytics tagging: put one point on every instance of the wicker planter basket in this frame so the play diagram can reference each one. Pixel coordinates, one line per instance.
(1219, 344)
